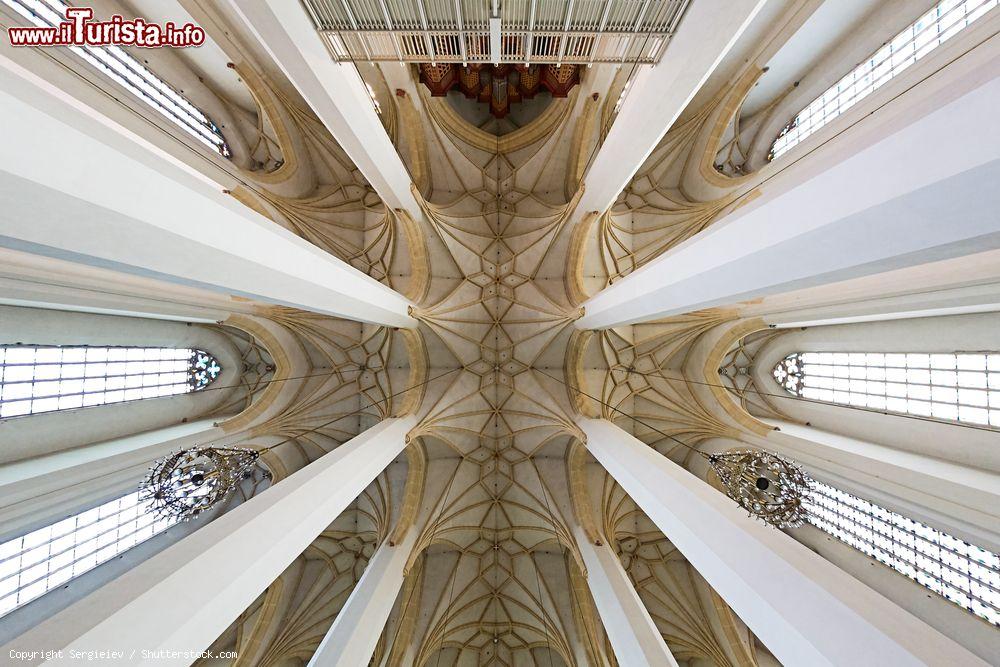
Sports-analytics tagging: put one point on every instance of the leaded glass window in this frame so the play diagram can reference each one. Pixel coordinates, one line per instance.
(37, 379)
(48, 557)
(116, 64)
(934, 28)
(956, 386)
(963, 573)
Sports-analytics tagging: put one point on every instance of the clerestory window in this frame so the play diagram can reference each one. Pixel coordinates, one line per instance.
(47, 558)
(116, 64)
(943, 21)
(37, 379)
(955, 386)
(966, 574)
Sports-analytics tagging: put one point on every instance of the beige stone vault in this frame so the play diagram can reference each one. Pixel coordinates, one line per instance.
(495, 480)
(496, 505)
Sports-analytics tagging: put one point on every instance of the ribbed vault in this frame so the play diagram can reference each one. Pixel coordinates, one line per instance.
(495, 481)
(495, 493)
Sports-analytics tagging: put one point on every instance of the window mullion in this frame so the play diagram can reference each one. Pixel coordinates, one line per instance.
(931, 560)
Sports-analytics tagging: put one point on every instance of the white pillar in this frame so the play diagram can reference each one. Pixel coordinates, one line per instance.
(37, 491)
(177, 603)
(658, 95)
(351, 639)
(335, 92)
(632, 632)
(959, 499)
(77, 187)
(901, 188)
(805, 609)
(33, 281)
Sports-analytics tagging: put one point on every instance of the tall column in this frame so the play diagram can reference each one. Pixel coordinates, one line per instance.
(959, 499)
(632, 632)
(173, 606)
(659, 94)
(909, 185)
(335, 92)
(352, 638)
(36, 491)
(34, 281)
(79, 188)
(805, 609)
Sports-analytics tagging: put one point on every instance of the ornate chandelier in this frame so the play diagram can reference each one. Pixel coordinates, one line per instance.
(768, 486)
(188, 482)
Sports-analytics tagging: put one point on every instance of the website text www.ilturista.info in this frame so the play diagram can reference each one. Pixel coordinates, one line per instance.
(79, 29)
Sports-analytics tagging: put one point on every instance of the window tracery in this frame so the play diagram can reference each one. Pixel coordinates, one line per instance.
(936, 26)
(966, 574)
(116, 64)
(956, 386)
(36, 379)
(44, 559)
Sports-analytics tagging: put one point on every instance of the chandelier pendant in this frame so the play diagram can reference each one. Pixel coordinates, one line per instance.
(768, 486)
(186, 483)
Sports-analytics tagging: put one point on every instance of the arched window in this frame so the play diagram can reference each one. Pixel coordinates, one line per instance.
(957, 386)
(37, 379)
(943, 21)
(46, 558)
(116, 64)
(963, 573)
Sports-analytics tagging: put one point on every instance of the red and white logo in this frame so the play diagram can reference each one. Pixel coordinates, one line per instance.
(79, 29)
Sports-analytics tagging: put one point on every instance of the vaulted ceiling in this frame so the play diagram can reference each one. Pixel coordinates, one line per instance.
(496, 483)
(498, 275)
(464, 181)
